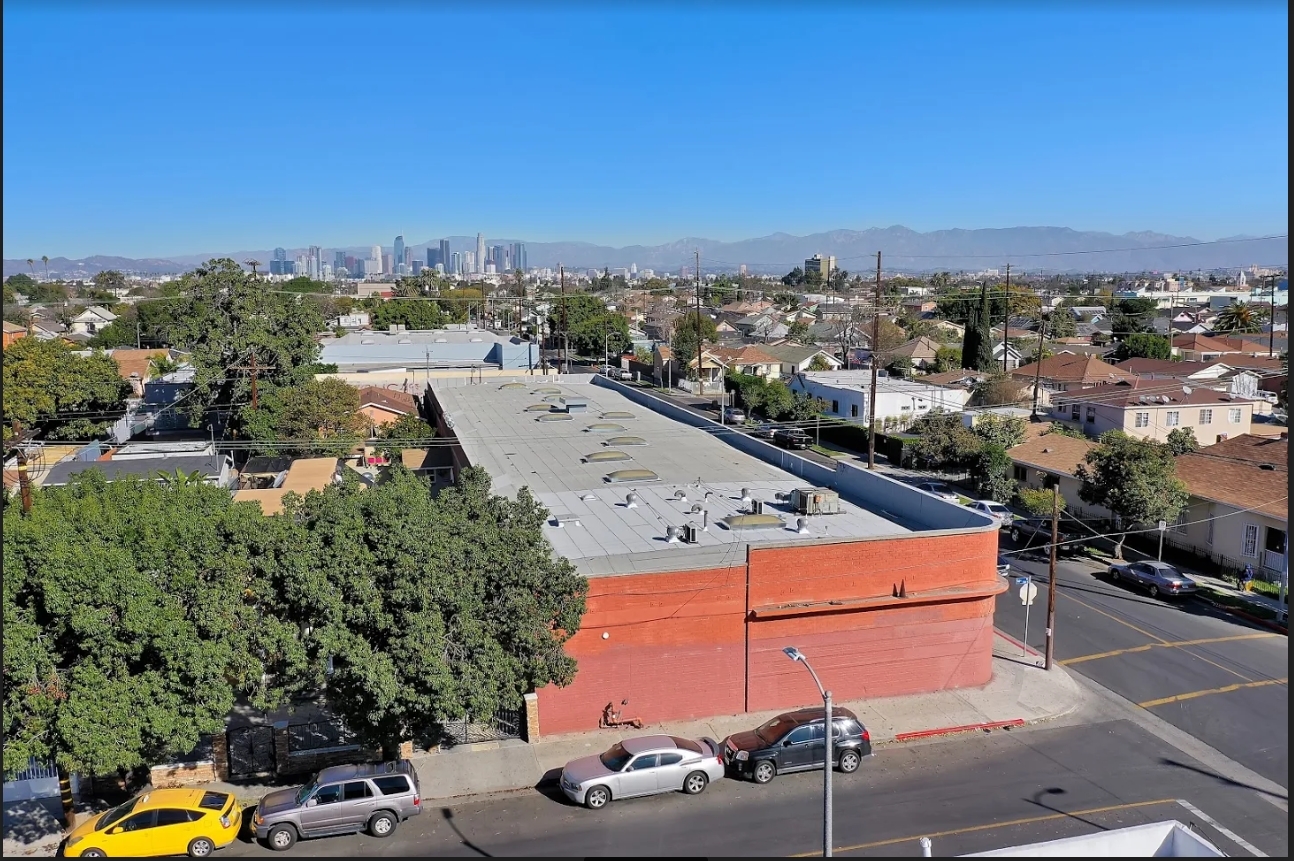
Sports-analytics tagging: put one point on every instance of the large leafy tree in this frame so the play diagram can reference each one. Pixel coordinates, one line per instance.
(110, 280)
(227, 320)
(585, 320)
(1135, 479)
(977, 346)
(133, 619)
(48, 387)
(431, 607)
(945, 442)
(992, 473)
(414, 314)
(317, 417)
(1143, 345)
(1130, 316)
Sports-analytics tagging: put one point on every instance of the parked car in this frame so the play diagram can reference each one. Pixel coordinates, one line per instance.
(625, 375)
(1035, 532)
(736, 415)
(648, 765)
(374, 797)
(939, 489)
(795, 741)
(995, 510)
(764, 431)
(1158, 578)
(193, 822)
(791, 438)
(1003, 565)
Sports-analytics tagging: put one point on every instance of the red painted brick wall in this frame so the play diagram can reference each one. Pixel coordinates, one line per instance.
(676, 642)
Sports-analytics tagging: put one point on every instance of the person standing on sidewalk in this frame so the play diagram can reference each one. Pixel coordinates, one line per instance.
(1247, 579)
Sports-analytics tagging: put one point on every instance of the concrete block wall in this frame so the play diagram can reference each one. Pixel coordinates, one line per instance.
(183, 774)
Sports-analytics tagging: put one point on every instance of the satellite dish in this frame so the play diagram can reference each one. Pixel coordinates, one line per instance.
(1186, 390)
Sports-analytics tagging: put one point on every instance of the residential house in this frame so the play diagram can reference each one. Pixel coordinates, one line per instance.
(1088, 313)
(1216, 375)
(214, 469)
(304, 475)
(12, 332)
(91, 321)
(796, 358)
(1065, 371)
(664, 368)
(263, 472)
(1050, 460)
(846, 394)
(955, 379)
(382, 406)
(1200, 348)
(918, 306)
(137, 367)
(1238, 513)
(1013, 355)
(953, 330)
(748, 359)
(1257, 345)
(746, 307)
(1152, 409)
(356, 320)
(920, 352)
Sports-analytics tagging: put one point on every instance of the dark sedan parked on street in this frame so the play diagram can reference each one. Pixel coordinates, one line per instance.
(1158, 578)
(795, 741)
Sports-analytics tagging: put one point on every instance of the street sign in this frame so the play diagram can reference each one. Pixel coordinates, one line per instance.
(1028, 592)
(1020, 581)
(1163, 524)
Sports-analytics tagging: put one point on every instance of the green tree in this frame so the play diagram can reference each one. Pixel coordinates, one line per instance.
(784, 300)
(1182, 441)
(819, 363)
(320, 415)
(226, 319)
(1004, 431)
(992, 473)
(685, 333)
(944, 441)
(110, 280)
(977, 347)
(998, 390)
(304, 284)
(414, 314)
(432, 607)
(947, 359)
(900, 367)
(1135, 479)
(1240, 318)
(20, 283)
(1131, 316)
(132, 620)
(1143, 345)
(794, 278)
(798, 331)
(52, 390)
(456, 303)
(1038, 500)
(1061, 324)
(408, 431)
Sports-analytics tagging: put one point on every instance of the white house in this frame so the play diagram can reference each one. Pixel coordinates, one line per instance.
(92, 320)
(846, 394)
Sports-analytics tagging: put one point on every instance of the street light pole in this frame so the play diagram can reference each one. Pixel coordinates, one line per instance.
(1051, 576)
(828, 732)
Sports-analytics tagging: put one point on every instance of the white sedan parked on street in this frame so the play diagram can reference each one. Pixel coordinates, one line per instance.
(995, 510)
(647, 765)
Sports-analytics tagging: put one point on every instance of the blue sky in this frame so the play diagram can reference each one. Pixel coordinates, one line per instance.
(143, 131)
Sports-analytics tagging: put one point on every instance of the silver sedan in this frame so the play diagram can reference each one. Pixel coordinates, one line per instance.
(1158, 578)
(647, 765)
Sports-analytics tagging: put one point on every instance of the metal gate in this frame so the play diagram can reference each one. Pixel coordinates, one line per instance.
(251, 751)
(503, 724)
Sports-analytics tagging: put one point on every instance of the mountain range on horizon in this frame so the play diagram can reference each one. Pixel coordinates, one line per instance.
(1027, 249)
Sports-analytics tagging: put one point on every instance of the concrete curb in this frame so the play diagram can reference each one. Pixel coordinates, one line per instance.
(1241, 614)
(1018, 644)
(953, 730)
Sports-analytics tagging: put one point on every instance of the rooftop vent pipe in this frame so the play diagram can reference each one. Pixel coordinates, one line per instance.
(802, 526)
(631, 500)
(672, 534)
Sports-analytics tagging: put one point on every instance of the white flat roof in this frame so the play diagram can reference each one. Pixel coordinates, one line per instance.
(497, 433)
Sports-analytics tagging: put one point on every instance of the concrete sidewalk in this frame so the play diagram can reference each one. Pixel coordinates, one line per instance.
(1021, 692)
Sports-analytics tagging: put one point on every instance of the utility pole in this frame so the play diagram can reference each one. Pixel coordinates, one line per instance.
(1037, 366)
(1271, 320)
(24, 479)
(1051, 576)
(254, 369)
(566, 354)
(871, 399)
(1006, 319)
(700, 375)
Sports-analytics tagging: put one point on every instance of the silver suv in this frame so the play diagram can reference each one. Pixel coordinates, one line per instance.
(342, 799)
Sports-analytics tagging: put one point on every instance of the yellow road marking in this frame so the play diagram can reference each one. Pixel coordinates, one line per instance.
(1029, 820)
(1261, 683)
(1123, 622)
(1148, 646)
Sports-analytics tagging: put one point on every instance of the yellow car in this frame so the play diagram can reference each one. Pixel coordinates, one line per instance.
(193, 822)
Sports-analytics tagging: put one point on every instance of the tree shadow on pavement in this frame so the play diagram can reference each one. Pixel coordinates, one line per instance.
(1228, 781)
(35, 820)
(448, 813)
(1056, 790)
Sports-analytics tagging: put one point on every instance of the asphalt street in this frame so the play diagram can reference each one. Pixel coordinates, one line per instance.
(969, 794)
(1219, 678)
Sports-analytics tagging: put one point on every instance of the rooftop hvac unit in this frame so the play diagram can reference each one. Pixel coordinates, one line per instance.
(690, 532)
(757, 506)
(815, 500)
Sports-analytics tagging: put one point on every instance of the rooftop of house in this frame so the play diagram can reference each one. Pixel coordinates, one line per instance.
(1201, 343)
(136, 362)
(1074, 368)
(961, 378)
(304, 475)
(141, 467)
(96, 312)
(567, 464)
(791, 353)
(1245, 472)
(922, 346)
(13, 328)
(1145, 393)
(1052, 452)
(390, 400)
(862, 379)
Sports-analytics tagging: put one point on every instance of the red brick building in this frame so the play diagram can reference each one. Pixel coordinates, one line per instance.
(892, 595)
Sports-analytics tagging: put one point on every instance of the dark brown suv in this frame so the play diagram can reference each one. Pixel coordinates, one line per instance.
(795, 741)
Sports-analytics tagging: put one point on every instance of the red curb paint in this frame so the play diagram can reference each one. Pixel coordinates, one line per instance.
(1019, 645)
(927, 733)
(1241, 614)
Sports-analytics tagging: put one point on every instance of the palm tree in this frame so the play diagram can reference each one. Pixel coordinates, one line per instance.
(179, 478)
(1240, 318)
(31, 264)
(253, 264)
(44, 258)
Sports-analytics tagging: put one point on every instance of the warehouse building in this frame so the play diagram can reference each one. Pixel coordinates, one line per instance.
(708, 551)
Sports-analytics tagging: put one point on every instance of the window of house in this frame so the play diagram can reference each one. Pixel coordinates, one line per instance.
(1179, 525)
(1206, 417)
(1209, 538)
(853, 411)
(1173, 418)
(1091, 414)
(1073, 411)
(1020, 473)
(1250, 548)
(835, 406)
(1233, 415)
(1142, 420)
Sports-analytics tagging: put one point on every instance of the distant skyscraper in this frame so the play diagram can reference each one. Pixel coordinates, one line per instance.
(471, 265)
(431, 257)
(480, 253)
(443, 257)
(399, 250)
(388, 263)
(417, 267)
(279, 264)
(519, 256)
(455, 264)
(339, 260)
(314, 262)
(350, 265)
(376, 256)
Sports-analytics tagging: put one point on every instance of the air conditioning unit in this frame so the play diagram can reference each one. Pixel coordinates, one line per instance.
(815, 500)
(690, 533)
(757, 506)
(1222, 437)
